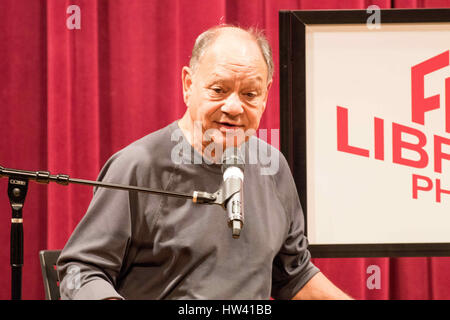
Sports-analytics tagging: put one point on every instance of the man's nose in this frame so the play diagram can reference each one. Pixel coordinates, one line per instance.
(233, 105)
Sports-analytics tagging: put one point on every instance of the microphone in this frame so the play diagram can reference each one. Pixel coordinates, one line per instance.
(233, 177)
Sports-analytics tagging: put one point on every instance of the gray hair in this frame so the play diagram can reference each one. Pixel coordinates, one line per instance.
(206, 39)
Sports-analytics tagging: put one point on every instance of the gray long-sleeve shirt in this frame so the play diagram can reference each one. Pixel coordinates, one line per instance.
(140, 246)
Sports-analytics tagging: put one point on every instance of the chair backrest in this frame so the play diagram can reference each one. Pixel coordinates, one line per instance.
(48, 260)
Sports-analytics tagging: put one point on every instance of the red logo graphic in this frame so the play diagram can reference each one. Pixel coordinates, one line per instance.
(419, 106)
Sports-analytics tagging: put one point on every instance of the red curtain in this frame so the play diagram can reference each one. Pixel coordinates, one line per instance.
(69, 99)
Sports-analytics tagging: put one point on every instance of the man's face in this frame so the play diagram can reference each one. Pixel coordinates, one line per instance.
(227, 91)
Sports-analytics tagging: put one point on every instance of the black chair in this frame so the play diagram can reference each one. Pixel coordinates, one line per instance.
(48, 260)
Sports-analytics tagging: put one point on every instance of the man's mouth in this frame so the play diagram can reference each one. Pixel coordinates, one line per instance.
(228, 125)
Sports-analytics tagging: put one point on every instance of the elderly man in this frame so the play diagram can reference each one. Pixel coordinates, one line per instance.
(139, 246)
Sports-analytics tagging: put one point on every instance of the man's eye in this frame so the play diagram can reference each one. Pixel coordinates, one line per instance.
(250, 95)
(217, 90)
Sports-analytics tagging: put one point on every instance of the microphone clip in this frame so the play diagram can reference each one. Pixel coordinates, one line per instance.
(220, 197)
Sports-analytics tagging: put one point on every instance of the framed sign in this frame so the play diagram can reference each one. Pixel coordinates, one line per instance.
(365, 127)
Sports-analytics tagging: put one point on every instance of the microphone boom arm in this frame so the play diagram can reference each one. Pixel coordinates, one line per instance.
(17, 190)
(45, 177)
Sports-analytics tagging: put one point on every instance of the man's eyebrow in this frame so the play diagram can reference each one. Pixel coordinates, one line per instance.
(216, 77)
(213, 81)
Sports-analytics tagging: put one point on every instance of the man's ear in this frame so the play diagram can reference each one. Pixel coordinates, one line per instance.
(186, 79)
(267, 93)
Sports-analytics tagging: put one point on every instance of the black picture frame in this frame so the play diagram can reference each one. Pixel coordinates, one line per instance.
(292, 26)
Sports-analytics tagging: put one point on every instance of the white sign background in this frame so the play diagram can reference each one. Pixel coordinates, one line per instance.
(354, 199)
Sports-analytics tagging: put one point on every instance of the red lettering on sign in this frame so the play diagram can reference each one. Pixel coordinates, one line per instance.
(438, 154)
(379, 138)
(398, 145)
(439, 191)
(447, 105)
(420, 104)
(416, 187)
(342, 134)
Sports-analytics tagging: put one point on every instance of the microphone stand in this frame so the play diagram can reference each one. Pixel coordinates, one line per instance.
(17, 191)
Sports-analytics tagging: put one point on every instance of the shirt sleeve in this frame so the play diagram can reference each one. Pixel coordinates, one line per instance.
(90, 263)
(292, 267)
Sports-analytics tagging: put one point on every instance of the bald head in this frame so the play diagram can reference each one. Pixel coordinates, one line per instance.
(230, 34)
